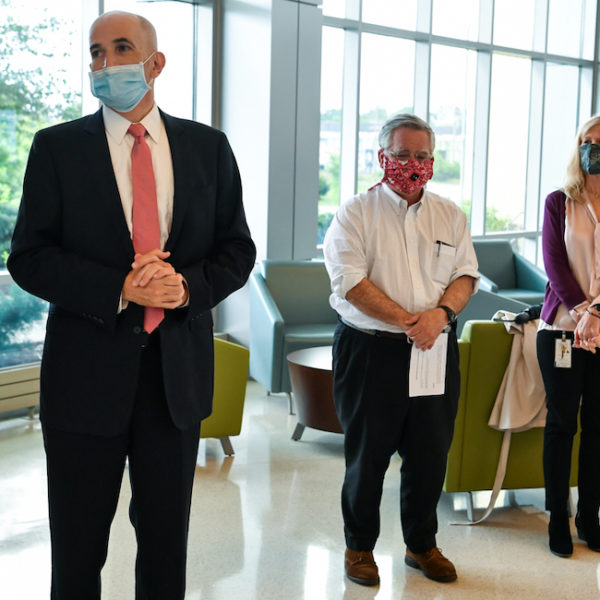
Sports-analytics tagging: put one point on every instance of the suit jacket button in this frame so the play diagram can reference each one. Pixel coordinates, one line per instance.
(137, 329)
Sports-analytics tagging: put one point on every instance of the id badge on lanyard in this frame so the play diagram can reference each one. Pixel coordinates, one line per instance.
(562, 352)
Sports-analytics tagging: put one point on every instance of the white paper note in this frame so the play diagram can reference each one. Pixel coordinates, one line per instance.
(427, 375)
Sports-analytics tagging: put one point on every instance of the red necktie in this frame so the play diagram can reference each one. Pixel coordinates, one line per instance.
(146, 230)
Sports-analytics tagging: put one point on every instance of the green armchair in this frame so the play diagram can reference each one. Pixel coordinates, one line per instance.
(231, 375)
(484, 305)
(507, 273)
(484, 352)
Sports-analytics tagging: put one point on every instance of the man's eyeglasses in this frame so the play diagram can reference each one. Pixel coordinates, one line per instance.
(405, 155)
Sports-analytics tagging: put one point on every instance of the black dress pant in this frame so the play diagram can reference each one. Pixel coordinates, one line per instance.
(84, 479)
(378, 418)
(567, 390)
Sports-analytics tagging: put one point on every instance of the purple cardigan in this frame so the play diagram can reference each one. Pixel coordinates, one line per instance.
(562, 286)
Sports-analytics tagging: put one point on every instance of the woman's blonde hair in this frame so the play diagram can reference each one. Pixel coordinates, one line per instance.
(575, 180)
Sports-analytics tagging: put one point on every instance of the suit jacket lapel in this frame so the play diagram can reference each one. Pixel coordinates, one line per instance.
(182, 168)
(100, 170)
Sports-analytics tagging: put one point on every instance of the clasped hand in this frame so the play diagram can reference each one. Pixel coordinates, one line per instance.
(154, 282)
(587, 333)
(424, 328)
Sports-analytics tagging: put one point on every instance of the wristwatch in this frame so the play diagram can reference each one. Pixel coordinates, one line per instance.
(449, 313)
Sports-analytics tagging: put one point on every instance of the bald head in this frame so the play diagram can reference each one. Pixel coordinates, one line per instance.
(120, 38)
(121, 19)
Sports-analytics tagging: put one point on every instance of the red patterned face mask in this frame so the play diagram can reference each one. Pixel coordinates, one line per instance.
(407, 177)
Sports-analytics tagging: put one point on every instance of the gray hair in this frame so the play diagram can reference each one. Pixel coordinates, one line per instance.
(403, 120)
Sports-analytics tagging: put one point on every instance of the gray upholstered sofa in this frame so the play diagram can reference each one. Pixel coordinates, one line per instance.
(509, 274)
(289, 310)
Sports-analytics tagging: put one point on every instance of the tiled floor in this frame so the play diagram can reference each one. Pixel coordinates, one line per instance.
(266, 525)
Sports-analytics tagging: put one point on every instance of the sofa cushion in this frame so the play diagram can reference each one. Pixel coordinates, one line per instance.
(495, 258)
(300, 290)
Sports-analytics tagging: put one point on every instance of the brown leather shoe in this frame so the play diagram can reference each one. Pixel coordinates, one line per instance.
(361, 567)
(433, 564)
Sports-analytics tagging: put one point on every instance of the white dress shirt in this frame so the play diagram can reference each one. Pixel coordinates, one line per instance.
(120, 144)
(412, 254)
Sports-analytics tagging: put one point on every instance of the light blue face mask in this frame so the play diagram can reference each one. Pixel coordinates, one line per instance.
(122, 87)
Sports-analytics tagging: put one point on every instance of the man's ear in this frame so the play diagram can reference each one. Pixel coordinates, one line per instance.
(380, 157)
(157, 63)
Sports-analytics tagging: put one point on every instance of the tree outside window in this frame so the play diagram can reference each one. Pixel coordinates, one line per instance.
(36, 90)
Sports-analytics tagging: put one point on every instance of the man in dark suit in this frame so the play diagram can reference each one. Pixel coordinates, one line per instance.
(114, 388)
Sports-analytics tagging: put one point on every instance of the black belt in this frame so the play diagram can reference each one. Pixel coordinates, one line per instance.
(378, 332)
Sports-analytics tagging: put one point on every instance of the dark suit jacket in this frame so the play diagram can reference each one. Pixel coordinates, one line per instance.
(71, 247)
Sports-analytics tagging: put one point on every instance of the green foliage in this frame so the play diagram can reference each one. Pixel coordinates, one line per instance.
(33, 94)
(376, 116)
(329, 182)
(8, 213)
(325, 219)
(465, 206)
(18, 310)
(323, 185)
(445, 170)
(31, 97)
(494, 222)
(497, 222)
(329, 194)
(332, 115)
(367, 180)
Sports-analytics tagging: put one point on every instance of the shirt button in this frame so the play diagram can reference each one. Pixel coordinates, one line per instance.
(137, 329)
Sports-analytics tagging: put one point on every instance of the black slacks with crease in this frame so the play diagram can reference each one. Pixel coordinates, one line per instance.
(378, 418)
(566, 391)
(84, 479)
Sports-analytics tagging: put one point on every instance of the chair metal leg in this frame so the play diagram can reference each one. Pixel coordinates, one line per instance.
(298, 432)
(31, 412)
(470, 516)
(291, 403)
(226, 445)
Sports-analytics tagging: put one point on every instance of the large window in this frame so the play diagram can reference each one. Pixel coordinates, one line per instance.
(44, 60)
(331, 126)
(397, 14)
(446, 23)
(180, 26)
(504, 85)
(507, 148)
(451, 114)
(382, 90)
(40, 84)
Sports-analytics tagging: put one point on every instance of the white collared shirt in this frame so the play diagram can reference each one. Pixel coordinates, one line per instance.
(120, 144)
(412, 254)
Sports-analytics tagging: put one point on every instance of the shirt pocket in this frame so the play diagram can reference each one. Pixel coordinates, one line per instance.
(444, 257)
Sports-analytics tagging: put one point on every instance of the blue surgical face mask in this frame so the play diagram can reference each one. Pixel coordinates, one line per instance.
(121, 87)
(589, 158)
